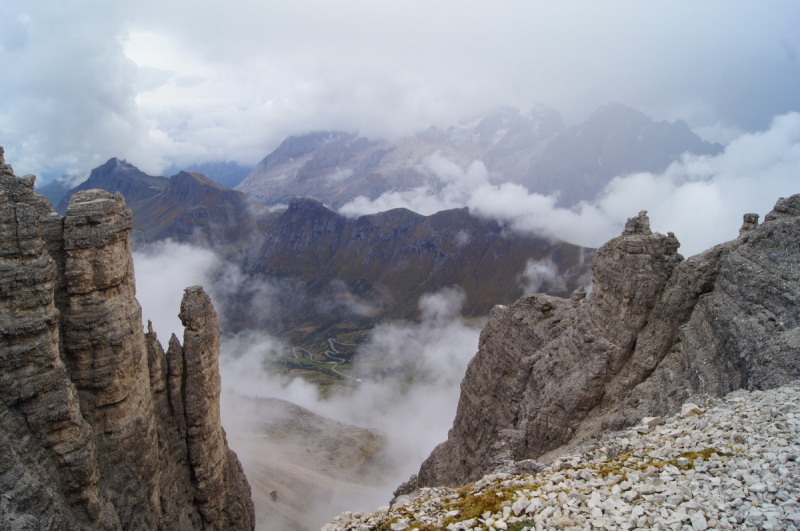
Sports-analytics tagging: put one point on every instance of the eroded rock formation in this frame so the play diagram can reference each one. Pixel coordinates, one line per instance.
(99, 428)
(655, 330)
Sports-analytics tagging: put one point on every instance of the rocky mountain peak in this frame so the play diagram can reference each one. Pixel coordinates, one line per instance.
(99, 428)
(639, 224)
(785, 208)
(186, 179)
(306, 204)
(117, 175)
(5, 169)
(655, 331)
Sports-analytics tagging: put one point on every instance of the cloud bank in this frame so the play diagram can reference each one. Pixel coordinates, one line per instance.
(180, 82)
(699, 198)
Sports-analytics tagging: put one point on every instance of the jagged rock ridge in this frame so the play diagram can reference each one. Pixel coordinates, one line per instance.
(99, 428)
(656, 330)
(185, 207)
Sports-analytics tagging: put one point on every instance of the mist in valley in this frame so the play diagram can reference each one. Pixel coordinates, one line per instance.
(403, 387)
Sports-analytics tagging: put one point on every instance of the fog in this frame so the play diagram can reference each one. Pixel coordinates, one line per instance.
(176, 82)
(409, 372)
(699, 198)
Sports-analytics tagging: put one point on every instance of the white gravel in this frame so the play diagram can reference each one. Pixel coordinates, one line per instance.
(725, 464)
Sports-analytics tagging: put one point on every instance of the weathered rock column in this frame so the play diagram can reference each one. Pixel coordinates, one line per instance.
(47, 455)
(222, 492)
(105, 349)
(95, 433)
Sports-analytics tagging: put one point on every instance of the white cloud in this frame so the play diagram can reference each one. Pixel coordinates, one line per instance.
(163, 271)
(177, 82)
(450, 186)
(413, 404)
(540, 276)
(699, 198)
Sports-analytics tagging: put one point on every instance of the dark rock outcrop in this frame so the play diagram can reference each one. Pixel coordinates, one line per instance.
(656, 330)
(95, 419)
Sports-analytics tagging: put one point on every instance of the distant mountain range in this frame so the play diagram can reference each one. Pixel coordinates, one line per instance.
(228, 174)
(339, 275)
(531, 148)
(327, 274)
(332, 276)
(185, 207)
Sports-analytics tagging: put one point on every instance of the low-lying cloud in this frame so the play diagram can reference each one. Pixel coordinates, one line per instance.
(408, 372)
(540, 276)
(699, 198)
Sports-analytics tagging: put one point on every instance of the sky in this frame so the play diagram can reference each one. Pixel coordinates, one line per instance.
(176, 82)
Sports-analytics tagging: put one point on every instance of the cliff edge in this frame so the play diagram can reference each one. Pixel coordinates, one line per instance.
(655, 331)
(99, 427)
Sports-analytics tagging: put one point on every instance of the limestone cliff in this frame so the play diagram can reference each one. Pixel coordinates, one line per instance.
(655, 330)
(96, 421)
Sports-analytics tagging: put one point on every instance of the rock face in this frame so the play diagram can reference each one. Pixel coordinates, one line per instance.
(656, 330)
(96, 420)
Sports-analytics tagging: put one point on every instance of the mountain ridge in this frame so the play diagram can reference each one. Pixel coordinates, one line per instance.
(100, 427)
(367, 268)
(533, 149)
(655, 330)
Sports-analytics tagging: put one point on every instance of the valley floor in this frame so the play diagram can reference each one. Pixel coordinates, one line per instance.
(732, 463)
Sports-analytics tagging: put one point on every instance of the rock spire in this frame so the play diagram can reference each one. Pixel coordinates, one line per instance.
(656, 330)
(99, 427)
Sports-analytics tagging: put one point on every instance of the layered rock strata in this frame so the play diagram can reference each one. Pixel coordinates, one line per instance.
(95, 419)
(656, 330)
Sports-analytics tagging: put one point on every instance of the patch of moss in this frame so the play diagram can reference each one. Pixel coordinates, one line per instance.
(519, 526)
(691, 456)
(615, 466)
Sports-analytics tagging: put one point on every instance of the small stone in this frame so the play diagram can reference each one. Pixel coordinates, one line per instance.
(560, 522)
(400, 525)
(520, 505)
(690, 410)
(652, 422)
(699, 522)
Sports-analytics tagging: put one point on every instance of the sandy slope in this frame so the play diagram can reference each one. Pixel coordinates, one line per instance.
(303, 468)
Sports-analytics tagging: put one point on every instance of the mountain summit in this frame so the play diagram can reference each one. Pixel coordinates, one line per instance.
(531, 148)
(656, 330)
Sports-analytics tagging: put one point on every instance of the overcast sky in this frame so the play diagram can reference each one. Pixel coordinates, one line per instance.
(179, 81)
